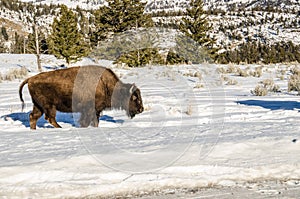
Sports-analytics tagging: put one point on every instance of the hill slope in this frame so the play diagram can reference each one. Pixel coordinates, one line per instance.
(235, 22)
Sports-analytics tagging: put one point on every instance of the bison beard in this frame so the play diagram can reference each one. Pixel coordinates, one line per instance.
(88, 90)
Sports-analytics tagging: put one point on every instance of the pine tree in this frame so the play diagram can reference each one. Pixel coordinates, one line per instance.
(196, 27)
(120, 16)
(134, 48)
(2, 48)
(18, 44)
(31, 42)
(66, 41)
(4, 33)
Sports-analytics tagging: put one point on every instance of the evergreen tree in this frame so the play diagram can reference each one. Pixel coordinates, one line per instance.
(18, 45)
(31, 42)
(2, 47)
(4, 33)
(141, 57)
(195, 26)
(66, 41)
(134, 48)
(119, 16)
(174, 58)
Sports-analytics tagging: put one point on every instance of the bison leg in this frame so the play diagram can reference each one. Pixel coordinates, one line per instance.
(84, 120)
(87, 119)
(95, 121)
(34, 116)
(50, 115)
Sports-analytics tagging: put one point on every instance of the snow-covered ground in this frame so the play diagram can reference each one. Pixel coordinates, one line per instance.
(196, 133)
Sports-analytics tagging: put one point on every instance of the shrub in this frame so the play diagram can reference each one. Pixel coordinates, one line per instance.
(242, 73)
(281, 77)
(259, 91)
(294, 83)
(295, 70)
(265, 86)
(267, 83)
(16, 73)
(189, 110)
(257, 72)
(174, 58)
(231, 69)
(199, 85)
(193, 74)
(198, 74)
(221, 70)
(231, 82)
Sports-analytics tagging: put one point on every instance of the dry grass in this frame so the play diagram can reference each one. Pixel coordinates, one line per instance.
(242, 72)
(259, 91)
(294, 83)
(199, 85)
(264, 87)
(198, 74)
(295, 70)
(189, 110)
(230, 69)
(193, 74)
(228, 81)
(231, 82)
(257, 72)
(16, 73)
(294, 80)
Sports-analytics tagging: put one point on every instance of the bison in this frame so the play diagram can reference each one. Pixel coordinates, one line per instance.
(88, 90)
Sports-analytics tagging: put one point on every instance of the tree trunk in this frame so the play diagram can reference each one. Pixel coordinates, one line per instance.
(37, 47)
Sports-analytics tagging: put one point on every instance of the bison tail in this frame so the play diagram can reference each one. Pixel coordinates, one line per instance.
(20, 92)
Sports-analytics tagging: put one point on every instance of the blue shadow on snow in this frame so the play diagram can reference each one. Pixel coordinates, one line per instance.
(272, 105)
(60, 117)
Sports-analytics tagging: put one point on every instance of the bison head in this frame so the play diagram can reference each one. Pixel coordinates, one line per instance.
(128, 97)
(135, 105)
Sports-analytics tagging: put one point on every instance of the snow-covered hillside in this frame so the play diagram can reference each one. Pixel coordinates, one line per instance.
(225, 5)
(85, 4)
(234, 22)
(198, 131)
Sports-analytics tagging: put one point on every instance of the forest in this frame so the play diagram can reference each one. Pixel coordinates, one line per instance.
(100, 24)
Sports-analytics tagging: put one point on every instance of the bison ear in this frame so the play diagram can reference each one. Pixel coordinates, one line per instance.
(132, 88)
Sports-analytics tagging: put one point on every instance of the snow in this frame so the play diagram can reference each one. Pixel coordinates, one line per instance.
(93, 4)
(187, 138)
(230, 29)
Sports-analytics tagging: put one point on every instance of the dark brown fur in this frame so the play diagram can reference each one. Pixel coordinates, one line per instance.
(88, 90)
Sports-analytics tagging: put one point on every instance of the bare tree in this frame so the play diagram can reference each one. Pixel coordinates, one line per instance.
(37, 49)
(35, 44)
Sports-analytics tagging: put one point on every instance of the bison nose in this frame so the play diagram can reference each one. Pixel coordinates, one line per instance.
(141, 109)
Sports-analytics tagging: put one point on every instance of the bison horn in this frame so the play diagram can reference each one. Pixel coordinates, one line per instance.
(132, 88)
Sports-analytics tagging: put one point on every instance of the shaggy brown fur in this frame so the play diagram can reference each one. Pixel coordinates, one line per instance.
(88, 90)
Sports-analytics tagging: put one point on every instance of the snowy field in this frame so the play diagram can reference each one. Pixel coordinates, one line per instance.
(202, 134)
